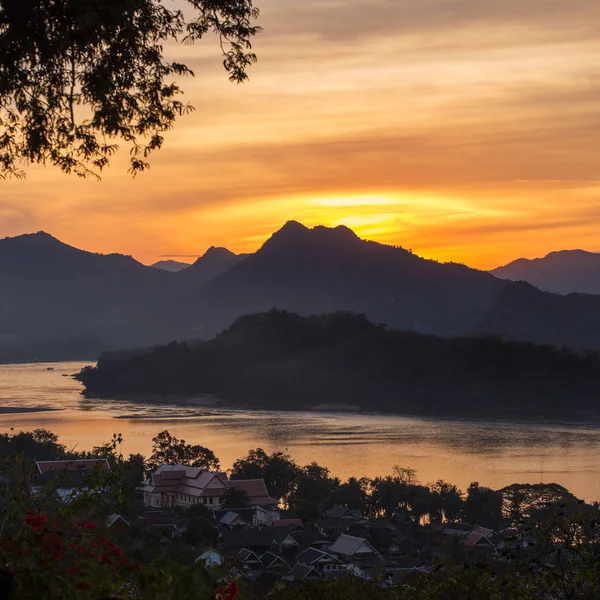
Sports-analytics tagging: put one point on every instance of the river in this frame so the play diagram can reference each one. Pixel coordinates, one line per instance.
(495, 453)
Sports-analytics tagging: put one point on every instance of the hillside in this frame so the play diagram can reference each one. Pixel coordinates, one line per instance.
(58, 301)
(214, 262)
(322, 270)
(524, 313)
(561, 272)
(281, 360)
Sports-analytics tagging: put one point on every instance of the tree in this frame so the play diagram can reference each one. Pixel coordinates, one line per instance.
(39, 444)
(235, 498)
(77, 75)
(446, 502)
(314, 487)
(483, 506)
(169, 450)
(201, 531)
(352, 494)
(278, 470)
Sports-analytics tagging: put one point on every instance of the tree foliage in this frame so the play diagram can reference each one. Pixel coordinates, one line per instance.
(169, 450)
(78, 75)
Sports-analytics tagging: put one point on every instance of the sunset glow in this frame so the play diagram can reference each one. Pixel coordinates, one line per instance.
(467, 131)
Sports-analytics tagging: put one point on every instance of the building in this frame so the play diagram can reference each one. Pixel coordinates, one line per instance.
(180, 485)
(68, 478)
(350, 547)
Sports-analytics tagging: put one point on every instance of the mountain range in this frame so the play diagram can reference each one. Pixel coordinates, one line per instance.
(58, 302)
(561, 272)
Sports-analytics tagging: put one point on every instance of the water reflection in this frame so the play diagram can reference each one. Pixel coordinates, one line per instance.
(460, 451)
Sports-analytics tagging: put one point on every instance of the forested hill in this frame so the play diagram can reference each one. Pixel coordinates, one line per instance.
(284, 361)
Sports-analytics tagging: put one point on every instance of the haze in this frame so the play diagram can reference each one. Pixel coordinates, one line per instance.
(465, 130)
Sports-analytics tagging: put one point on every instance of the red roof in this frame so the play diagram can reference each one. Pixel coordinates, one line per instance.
(46, 466)
(256, 490)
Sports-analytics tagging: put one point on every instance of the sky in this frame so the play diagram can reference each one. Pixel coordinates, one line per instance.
(466, 130)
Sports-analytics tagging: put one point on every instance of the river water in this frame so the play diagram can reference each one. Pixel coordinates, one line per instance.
(495, 453)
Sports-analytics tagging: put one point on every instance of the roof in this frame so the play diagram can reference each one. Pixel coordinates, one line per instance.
(230, 518)
(287, 523)
(348, 545)
(256, 490)
(199, 482)
(311, 556)
(301, 572)
(183, 479)
(477, 539)
(343, 512)
(269, 558)
(113, 519)
(245, 555)
(46, 466)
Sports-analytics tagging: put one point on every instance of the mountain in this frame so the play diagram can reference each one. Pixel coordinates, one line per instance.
(211, 264)
(562, 272)
(52, 291)
(321, 270)
(173, 266)
(283, 361)
(525, 313)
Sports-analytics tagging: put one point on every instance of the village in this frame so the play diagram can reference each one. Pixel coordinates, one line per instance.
(237, 526)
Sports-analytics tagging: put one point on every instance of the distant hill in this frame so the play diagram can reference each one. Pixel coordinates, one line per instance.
(524, 313)
(562, 272)
(173, 266)
(60, 302)
(283, 361)
(322, 270)
(50, 290)
(214, 262)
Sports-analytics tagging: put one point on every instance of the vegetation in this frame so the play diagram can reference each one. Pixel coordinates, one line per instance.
(53, 549)
(285, 361)
(79, 74)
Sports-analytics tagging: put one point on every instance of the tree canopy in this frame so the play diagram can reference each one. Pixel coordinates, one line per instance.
(169, 450)
(78, 75)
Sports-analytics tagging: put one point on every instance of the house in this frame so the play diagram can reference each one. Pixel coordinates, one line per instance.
(343, 512)
(273, 562)
(332, 527)
(69, 477)
(116, 521)
(320, 560)
(300, 572)
(481, 538)
(180, 485)
(249, 559)
(232, 519)
(350, 547)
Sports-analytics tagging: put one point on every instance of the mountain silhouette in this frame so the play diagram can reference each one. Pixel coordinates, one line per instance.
(58, 302)
(320, 270)
(211, 264)
(526, 314)
(173, 266)
(51, 290)
(561, 272)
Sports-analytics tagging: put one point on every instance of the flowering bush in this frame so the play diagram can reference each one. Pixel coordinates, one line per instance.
(49, 559)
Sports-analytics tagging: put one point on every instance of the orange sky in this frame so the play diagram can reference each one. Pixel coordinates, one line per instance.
(467, 130)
